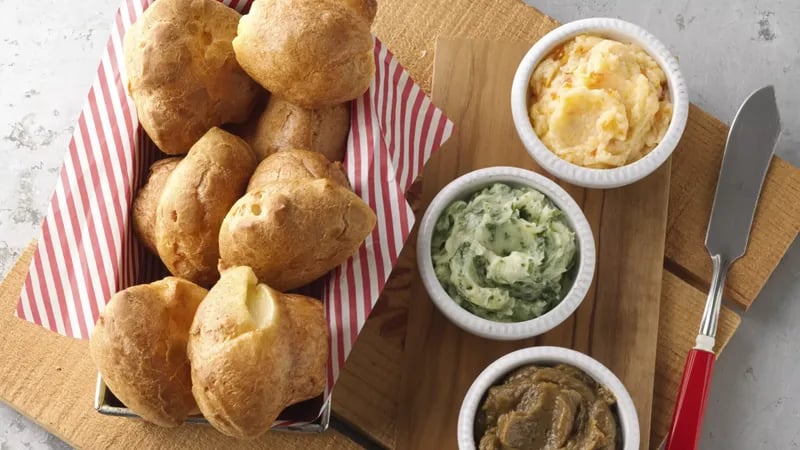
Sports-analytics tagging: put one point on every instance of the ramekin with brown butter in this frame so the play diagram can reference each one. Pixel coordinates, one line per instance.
(505, 253)
(543, 398)
(599, 102)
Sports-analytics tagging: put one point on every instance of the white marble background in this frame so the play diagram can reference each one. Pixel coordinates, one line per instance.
(49, 51)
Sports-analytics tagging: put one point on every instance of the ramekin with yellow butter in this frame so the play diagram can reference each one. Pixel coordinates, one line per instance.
(599, 103)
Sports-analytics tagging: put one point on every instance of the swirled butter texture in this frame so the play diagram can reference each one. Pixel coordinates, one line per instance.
(599, 103)
(504, 253)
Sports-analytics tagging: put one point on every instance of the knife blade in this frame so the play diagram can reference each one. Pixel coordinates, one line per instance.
(748, 152)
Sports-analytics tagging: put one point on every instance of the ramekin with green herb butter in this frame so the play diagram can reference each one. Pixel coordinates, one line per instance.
(505, 253)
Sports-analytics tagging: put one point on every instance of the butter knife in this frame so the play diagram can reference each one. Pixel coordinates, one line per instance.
(748, 152)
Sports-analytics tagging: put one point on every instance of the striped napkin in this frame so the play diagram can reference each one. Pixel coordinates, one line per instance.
(87, 250)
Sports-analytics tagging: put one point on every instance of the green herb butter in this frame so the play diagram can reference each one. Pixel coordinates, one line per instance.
(505, 253)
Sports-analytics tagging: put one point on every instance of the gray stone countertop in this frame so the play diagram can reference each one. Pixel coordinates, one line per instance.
(49, 50)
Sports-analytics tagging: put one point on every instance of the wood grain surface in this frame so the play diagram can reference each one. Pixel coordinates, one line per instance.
(45, 376)
(51, 379)
(618, 321)
(366, 394)
(410, 28)
(774, 227)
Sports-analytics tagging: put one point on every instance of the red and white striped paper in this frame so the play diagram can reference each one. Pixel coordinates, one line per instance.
(87, 251)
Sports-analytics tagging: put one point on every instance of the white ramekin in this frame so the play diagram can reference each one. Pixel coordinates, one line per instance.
(461, 188)
(492, 375)
(583, 176)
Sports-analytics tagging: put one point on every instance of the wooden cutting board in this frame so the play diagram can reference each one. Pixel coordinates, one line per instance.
(45, 376)
(367, 392)
(410, 28)
(618, 321)
(50, 379)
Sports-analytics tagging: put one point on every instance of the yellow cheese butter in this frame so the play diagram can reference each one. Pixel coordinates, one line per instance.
(599, 103)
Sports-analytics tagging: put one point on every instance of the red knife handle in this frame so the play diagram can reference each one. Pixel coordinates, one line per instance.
(687, 419)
